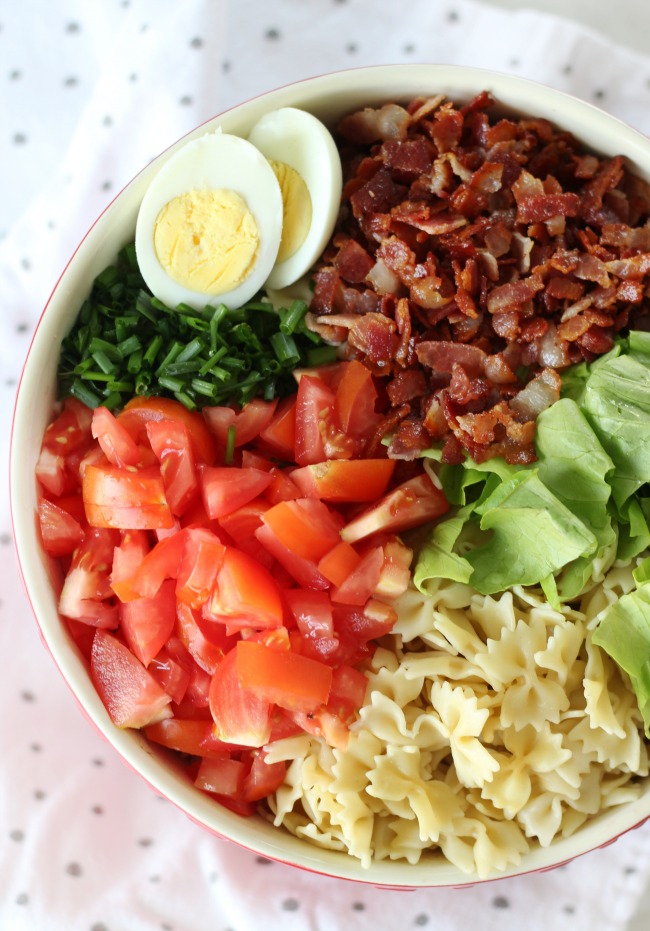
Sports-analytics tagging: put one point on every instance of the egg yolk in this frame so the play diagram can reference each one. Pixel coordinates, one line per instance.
(296, 209)
(207, 240)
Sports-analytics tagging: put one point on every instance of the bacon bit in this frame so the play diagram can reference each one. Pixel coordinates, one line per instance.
(469, 248)
(353, 263)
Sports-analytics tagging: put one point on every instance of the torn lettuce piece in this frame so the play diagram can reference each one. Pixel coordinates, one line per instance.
(624, 633)
(533, 535)
(617, 405)
(437, 559)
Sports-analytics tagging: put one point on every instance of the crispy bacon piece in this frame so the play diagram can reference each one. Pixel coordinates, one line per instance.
(474, 258)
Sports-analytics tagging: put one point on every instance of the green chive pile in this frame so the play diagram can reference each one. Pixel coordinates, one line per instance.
(126, 343)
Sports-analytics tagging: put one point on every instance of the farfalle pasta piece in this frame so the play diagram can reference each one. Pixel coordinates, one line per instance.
(464, 721)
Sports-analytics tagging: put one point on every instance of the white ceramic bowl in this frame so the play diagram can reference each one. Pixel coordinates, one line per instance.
(328, 97)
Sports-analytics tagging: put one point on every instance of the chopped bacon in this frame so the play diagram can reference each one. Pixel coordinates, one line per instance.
(475, 257)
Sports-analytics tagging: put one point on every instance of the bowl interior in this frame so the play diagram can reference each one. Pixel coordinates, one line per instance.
(328, 97)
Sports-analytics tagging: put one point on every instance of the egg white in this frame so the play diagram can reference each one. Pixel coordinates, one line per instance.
(301, 141)
(212, 162)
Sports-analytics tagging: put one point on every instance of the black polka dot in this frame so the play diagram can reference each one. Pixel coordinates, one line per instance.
(20, 139)
(17, 835)
(629, 870)
(197, 42)
(72, 27)
(154, 879)
(51, 224)
(97, 810)
(22, 898)
(73, 869)
(98, 761)
(291, 905)
(186, 100)
(272, 34)
(409, 49)
(514, 63)
(133, 77)
(35, 748)
(71, 81)
(421, 920)
(358, 906)
(569, 909)
(108, 120)
(501, 902)
(263, 861)
(15, 75)
(39, 794)
(26, 264)
(599, 94)
(568, 69)
(27, 695)
(166, 927)
(106, 185)
(145, 842)
(5, 538)
(9, 382)
(98, 926)
(351, 47)
(453, 16)
(225, 67)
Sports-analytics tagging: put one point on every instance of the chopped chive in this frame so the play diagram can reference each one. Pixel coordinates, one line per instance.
(84, 394)
(174, 384)
(181, 368)
(192, 349)
(104, 362)
(321, 355)
(124, 386)
(103, 346)
(185, 400)
(152, 350)
(113, 400)
(134, 362)
(206, 388)
(285, 348)
(230, 444)
(211, 362)
(292, 317)
(176, 347)
(128, 346)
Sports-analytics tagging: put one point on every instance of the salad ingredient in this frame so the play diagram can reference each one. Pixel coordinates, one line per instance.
(127, 344)
(490, 724)
(210, 223)
(473, 254)
(307, 164)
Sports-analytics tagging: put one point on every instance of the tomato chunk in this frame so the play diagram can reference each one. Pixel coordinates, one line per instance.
(262, 778)
(139, 411)
(283, 677)
(240, 715)
(130, 694)
(147, 623)
(280, 435)
(227, 489)
(60, 532)
(245, 594)
(202, 557)
(171, 444)
(345, 480)
(248, 422)
(116, 442)
(127, 500)
(413, 503)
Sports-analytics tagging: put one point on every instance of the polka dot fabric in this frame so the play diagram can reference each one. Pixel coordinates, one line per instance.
(91, 90)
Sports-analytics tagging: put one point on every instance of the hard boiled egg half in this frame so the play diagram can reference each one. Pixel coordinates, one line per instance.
(226, 216)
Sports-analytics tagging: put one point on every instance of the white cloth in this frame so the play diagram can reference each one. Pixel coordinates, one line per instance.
(91, 90)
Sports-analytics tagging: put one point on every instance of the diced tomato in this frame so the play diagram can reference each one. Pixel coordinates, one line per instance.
(413, 503)
(249, 421)
(245, 594)
(222, 776)
(71, 429)
(240, 715)
(60, 532)
(362, 581)
(200, 562)
(348, 691)
(283, 677)
(72, 504)
(311, 612)
(280, 435)
(138, 411)
(339, 563)
(87, 594)
(306, 526)
(130, 694)
(127, 559)
(51, 473)
(198, 688)
(262, 777)
(226, 489)
(241, 526)
(186, 736)
(170, 669)
(160, 563)
(192, 634)
(323, 723)
(147, 623)
(356, 627)
(127, 500)
(345, 480)
(254, 460)
(170, 441)
(314, 411)
(356, 397)
(282, 488)
(396, 570)
(116, 442)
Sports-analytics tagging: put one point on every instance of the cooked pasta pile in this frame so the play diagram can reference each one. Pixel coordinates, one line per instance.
(490, 724)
